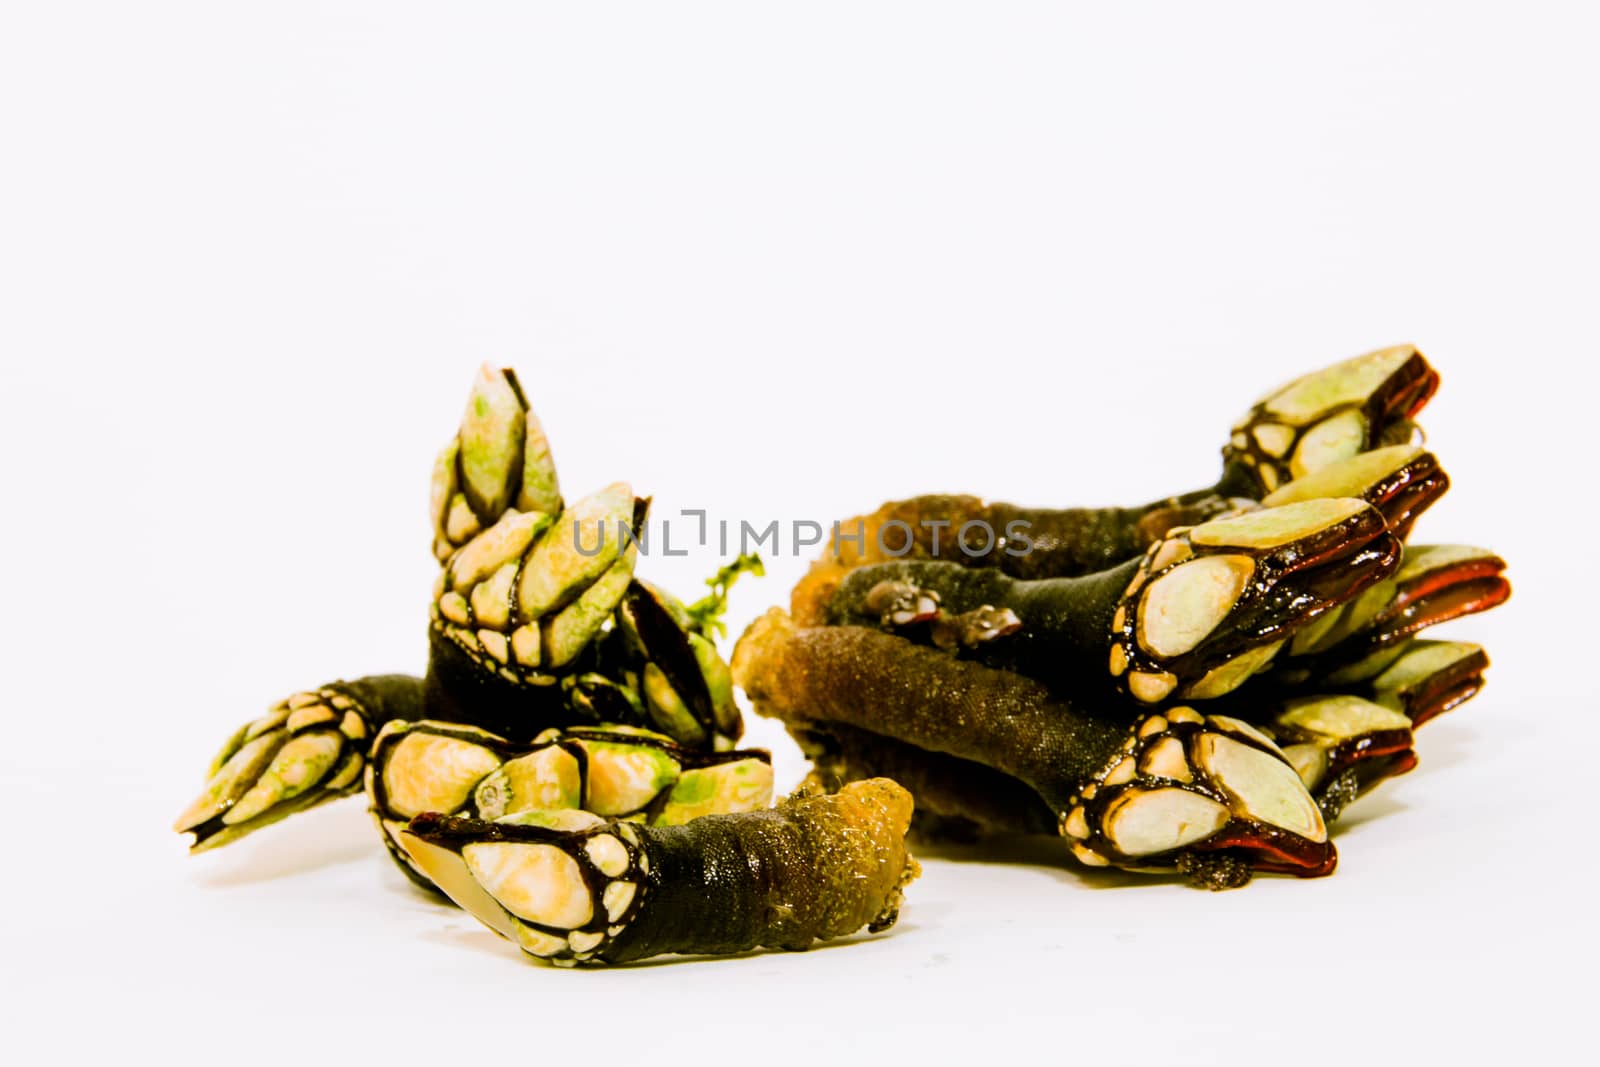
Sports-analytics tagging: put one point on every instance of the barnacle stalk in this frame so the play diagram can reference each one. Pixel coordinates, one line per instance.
(309, 748)
(957, 799)
(1170, 790)
(615, 772)
(1342, 745)
(499, 460)
(571, 887)
(1202, 611)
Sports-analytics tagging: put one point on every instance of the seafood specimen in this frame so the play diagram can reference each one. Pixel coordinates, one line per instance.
(1196, 616)
(570, 886)
(438, 768)
(571, 744)
(1201, 684)
(1332, 415)
(1217, 786)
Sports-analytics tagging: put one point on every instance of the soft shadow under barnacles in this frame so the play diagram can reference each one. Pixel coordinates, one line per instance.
(480, 940)
(1049, 855)
(345, 837)
(1366, 809)
(1006, 849)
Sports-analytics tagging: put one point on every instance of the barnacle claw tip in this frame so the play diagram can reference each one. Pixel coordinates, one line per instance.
(1344, 739)
(1331, 414)
(1402, 481)
(307, 749)
(446, 869)
(1191, 785)
(499, 459)
(1211, 605)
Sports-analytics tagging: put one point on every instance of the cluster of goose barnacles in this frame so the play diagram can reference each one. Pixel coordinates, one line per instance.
(1197, 685)
(1201, 684)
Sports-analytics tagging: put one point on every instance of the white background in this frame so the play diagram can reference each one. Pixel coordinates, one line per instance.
(776, 264)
